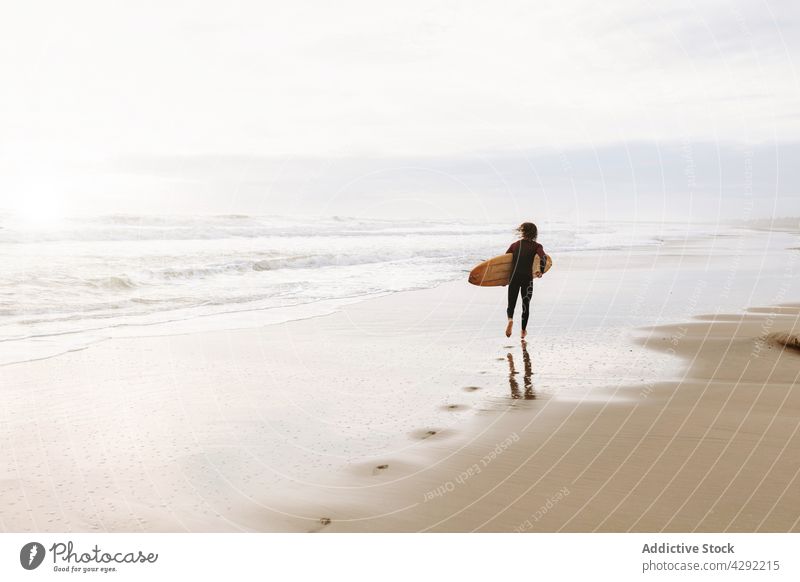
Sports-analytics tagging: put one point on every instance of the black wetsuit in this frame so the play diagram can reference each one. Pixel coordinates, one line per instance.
(521, 282)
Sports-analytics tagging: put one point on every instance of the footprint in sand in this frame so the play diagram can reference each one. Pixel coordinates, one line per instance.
(453, 407)
(424, 433)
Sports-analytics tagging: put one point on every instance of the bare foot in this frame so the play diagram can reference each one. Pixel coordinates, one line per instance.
(508, 327)
(523, 334)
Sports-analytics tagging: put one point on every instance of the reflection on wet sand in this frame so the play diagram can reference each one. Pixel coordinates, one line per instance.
(526, 379)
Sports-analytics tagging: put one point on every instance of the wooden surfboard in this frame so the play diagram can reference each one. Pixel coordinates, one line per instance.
(497, 271)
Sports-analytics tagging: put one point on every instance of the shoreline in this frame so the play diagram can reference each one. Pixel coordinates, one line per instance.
(21, 348)
(346, 422)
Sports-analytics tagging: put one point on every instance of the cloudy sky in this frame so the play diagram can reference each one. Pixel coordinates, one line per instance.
(482, 110)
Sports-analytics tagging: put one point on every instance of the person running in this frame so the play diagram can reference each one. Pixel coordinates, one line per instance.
(525, 250)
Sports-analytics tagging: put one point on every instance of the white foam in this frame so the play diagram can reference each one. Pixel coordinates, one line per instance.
(99, 277)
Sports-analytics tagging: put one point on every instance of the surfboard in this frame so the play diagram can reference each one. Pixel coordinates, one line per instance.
(497, 271)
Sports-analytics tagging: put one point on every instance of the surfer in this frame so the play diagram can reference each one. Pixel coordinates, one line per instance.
(525, 250)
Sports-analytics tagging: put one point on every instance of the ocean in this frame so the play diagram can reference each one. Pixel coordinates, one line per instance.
(86, 279)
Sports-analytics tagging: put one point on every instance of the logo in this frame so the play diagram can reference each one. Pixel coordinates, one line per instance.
(31, 555)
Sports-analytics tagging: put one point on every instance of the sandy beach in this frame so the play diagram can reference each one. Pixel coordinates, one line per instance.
(657, 391)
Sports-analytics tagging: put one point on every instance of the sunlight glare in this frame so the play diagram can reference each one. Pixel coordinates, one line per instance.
(37, 210)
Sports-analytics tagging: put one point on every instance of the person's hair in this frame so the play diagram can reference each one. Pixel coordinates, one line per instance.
(528, 231)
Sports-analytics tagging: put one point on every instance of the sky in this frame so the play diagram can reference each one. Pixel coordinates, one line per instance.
(466, 110)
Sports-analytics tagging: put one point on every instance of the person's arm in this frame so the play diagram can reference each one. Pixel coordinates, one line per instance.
(542, 258)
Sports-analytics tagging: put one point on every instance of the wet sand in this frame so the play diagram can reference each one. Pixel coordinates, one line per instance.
(712, 451)
(648, 397)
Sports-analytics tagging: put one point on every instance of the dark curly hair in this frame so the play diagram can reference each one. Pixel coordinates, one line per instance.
(528, 231)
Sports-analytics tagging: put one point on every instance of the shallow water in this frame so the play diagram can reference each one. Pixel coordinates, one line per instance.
(88, 278)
